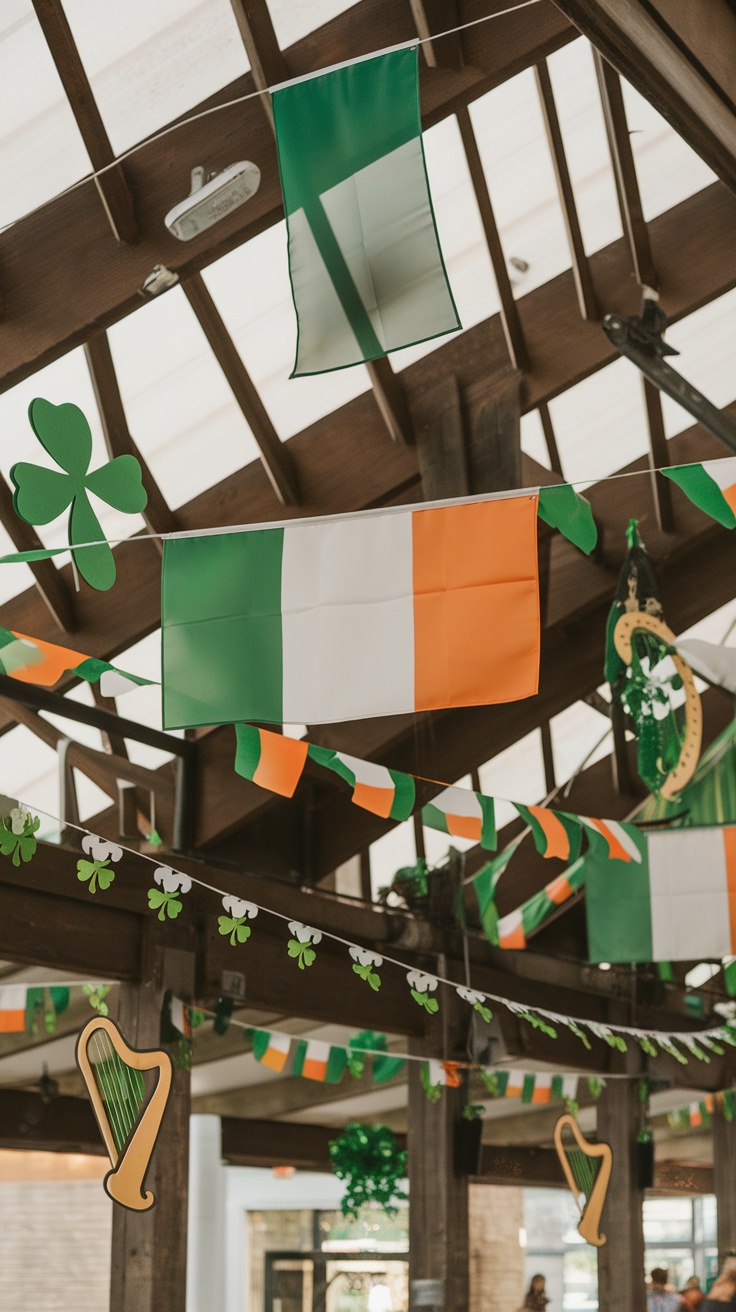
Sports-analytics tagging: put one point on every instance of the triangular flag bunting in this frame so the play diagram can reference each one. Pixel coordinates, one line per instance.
(711, 486)
(563, 508)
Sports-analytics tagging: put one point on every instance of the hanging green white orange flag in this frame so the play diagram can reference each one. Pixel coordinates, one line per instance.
(31, 660)
(367, 273)
(388, 793)
(316, 1060)
(271, 1050)
(711, 486)
(377, 613)
(555, 833)
(271, 760)
(463, 814)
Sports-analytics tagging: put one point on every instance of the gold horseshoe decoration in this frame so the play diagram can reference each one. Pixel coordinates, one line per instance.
(683, 772)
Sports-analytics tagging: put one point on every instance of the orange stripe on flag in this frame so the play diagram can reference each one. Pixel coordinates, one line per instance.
(281, 763)
(50, 669)
(514, 1090)
(558, 890)
(511, 931)
(377, 800)
(729, 852)
(314, 1069)
(464, 826)
(476, 603)
(12, 1022)
(709, 1104)
(558, 843)
(274, 1059)
(729, 495)
(615, 851)
(542, 1094)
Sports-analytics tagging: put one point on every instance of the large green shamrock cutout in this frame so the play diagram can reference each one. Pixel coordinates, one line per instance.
(43, 494)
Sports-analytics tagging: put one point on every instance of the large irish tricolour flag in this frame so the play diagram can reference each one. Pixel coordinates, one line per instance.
(376, 613)
(678, 904)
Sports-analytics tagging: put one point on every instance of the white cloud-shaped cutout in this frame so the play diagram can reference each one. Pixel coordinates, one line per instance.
(239, 908)
(172, 881)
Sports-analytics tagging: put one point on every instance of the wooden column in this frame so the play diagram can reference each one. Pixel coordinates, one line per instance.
(724, 1179)
(438, 1195)
(621, 1258)
(149, 1249)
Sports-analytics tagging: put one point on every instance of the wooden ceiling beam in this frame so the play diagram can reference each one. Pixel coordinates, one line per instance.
(53, 589)
(63, 279)
(624, 171)
(275, 455)
(267, 63)
(158, 516)
(432, 16)
(343, 460)
(112, 186)
(680, 66)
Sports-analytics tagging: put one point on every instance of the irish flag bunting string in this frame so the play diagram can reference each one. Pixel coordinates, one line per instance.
(172, 887)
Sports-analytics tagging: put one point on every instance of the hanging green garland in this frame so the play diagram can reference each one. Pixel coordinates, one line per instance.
(366, 1157)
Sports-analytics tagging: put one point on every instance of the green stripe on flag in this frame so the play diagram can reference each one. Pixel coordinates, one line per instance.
(247, 750)
(540, 906)
(433, 818)
(92, 669)
(336, 1062)
(404, 797)
(563, 508)
(221, 635)
(484, 884)
(703, 491)
(618, 905)
(367, 274)
(527, 1088)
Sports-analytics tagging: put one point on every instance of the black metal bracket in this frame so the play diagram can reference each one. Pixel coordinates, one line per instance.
(639, 339)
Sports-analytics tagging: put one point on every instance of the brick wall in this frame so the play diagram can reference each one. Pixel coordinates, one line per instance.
(496, 1260)
(54, 1246)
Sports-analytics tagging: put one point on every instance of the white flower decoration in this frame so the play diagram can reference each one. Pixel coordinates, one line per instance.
(18, 817)
(421, 982)
(239, 908)
(365, 957)
(172, 881)
(100, 849)
(305, 933)
(469, 995)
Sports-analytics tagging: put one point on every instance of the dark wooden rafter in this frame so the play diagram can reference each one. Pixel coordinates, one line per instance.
(624, 171)
(432, 16)
(510, 318)
(267, 63)
(275, 456)
(113, 187)
(157, 515)
(390, 397)
(550, 439)
(580, 265)
(52, 587)
(659, 457)
(686, 72)
(46, 250)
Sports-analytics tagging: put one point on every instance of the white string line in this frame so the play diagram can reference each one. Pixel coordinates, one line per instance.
(598, 1028)
(7, 982)
(145, 536)
(251, 95)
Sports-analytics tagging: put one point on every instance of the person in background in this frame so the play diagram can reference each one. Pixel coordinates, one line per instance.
(535, 1299)
(659, 1297)
(722, 1294)
(692, 1295)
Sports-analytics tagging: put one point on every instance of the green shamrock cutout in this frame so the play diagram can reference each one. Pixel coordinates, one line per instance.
(96, 872)
(234, 924)
(41, 494)
(363, 962)
(165, 899)
(430, 1004)
(300, 946)
(421, 987)
(476, 1000)
(18, 835)
(302, 951)
(97, 994)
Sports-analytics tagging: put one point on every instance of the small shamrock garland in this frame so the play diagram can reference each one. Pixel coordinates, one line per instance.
(234, 923)
(476, 1000)
(97, 994)
(164, 898)
(303, 942)
(97, 872)
(42, 495)
(363, 964)
(18, 835)
(421, 986)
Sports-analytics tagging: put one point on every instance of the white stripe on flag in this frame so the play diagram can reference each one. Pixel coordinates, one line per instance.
(13, 997)
(688, 888)
(437, 1072)
(367, 772)
(508, 925)
(570, 1086)
(178, 1015)
(458, 801)
(723, 472)
(348, 650)
(624, 839)
(115, 684)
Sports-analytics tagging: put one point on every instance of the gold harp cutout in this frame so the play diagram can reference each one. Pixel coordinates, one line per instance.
(683, 771)
(587, 1168)
(128, 1117)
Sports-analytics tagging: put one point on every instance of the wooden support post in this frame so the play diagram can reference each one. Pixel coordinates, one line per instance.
(659, 456)
(580, 266)
(438, 1207)
(621, 1258)
(624, 171)
(149, 1249)
(390, 397)
(724, 1180)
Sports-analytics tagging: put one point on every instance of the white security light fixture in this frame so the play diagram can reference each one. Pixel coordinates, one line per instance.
(213, 196)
